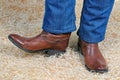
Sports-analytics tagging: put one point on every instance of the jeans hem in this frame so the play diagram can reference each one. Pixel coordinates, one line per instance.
(92, 40)
(58, 31)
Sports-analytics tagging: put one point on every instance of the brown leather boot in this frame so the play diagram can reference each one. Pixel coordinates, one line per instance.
(94, 61)
(44, 41)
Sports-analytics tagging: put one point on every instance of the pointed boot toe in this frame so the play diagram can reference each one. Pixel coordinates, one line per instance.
(17, 41)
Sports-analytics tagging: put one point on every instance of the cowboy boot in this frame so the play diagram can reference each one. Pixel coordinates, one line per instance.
(94, 61)
(44, 41)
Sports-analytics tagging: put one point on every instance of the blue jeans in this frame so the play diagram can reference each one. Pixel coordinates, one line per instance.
(60, 18)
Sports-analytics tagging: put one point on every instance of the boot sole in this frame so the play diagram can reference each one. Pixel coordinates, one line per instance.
(47, 51)
(97, 71)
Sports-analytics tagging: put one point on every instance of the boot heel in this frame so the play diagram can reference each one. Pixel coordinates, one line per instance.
(49, 53)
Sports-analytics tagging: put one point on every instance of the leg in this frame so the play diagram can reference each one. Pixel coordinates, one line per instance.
(59, 16)
(58, 23)
(94, 19)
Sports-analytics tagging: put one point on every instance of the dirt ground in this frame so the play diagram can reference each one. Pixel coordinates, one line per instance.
(25, 17)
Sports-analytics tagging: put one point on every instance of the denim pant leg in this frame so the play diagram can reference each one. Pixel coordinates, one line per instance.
(94, 19)
(59, 16)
